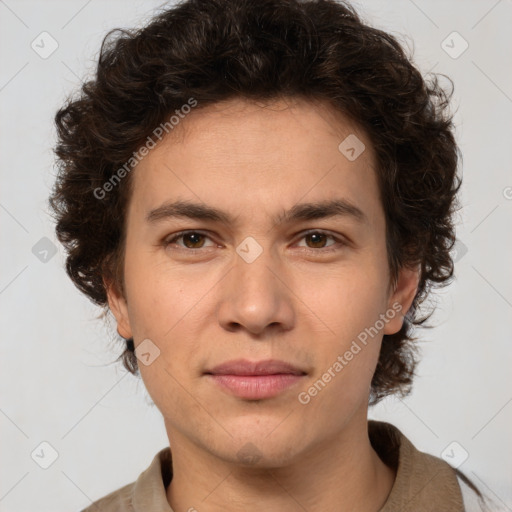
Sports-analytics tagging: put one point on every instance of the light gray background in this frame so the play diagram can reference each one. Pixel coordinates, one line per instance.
(56, 381)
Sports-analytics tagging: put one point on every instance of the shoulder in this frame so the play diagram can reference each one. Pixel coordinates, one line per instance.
(117, 501)
(147, 493)
(473, 498)
(423, 481)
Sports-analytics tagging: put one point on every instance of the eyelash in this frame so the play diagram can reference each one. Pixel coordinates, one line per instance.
(168, 241)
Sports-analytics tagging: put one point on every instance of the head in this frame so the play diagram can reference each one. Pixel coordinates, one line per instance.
(224, 119)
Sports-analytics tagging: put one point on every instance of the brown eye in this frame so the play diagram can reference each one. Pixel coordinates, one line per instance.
(317, 241)
(194, 239)
(191, 240)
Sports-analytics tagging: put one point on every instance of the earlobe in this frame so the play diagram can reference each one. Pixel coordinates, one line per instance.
(402, 297)
(118, 306)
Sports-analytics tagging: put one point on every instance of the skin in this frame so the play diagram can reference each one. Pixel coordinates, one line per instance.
(254, 161)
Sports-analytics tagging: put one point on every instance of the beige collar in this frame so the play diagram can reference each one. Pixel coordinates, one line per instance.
(423, 482)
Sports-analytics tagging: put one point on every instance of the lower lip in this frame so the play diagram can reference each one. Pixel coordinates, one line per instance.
(256, 387)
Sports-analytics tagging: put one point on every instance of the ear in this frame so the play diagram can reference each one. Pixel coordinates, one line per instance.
(403, 295)
(118, 306)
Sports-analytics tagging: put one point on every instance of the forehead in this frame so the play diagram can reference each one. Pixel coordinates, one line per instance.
(245, 156)
(253, 126)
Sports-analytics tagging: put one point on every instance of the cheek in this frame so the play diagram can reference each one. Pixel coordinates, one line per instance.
(170, 394)
(346, 360)
(346, 301)
(350, 305)
(165, 307)
(159, 298)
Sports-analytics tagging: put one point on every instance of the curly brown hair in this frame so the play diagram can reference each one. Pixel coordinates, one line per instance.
(214, 50)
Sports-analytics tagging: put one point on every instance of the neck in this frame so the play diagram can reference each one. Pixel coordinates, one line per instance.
(339, 475)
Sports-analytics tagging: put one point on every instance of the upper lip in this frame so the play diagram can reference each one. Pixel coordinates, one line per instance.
(245, 367)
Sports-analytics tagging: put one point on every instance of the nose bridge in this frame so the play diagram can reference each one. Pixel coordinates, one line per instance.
(255, 269)
(255, 266)
(255, 297)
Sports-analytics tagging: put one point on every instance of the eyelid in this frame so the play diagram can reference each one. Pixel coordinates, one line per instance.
(340, 240)
(175, 236)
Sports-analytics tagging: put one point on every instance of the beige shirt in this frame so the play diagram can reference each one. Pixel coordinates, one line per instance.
(423, 483)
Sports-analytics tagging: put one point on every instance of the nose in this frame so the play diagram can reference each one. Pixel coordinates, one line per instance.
(256, 296)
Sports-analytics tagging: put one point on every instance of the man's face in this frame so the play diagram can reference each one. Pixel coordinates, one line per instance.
(256, 287)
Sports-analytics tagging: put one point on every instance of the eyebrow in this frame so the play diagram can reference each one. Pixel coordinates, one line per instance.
(303, 211)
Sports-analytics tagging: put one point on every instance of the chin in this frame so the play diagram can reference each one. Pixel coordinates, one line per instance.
(266, 445)
(260, 454)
